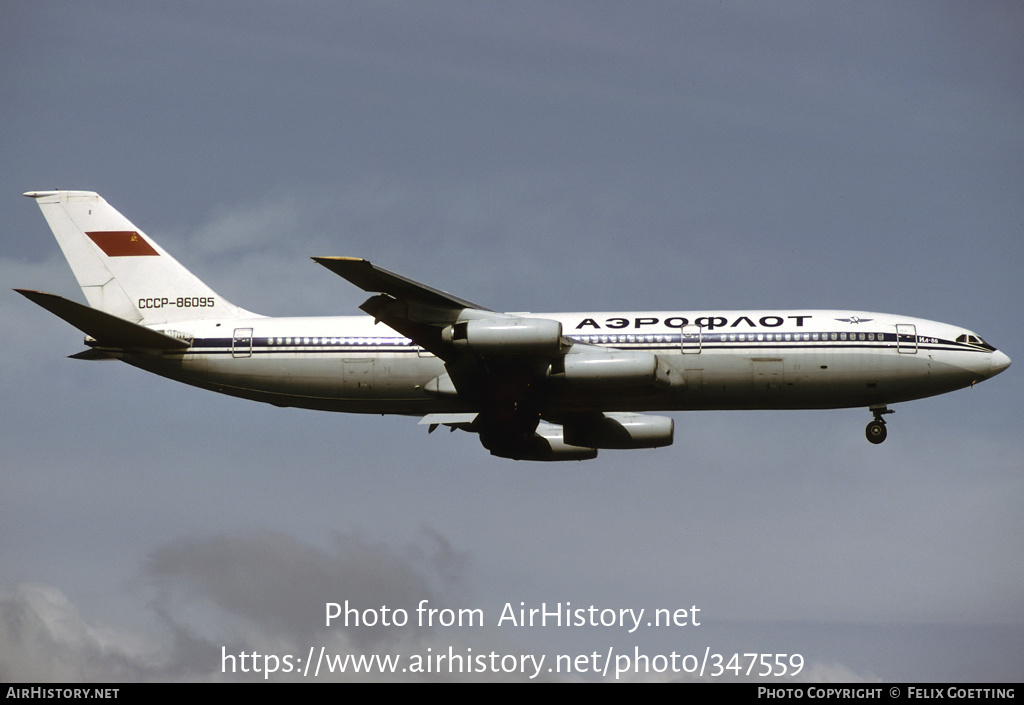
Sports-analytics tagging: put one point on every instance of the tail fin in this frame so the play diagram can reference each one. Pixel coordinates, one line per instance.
(122, 271)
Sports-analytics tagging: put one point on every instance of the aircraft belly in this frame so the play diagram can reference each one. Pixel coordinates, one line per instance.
(794, 380)
(394, 382)
(386, 383)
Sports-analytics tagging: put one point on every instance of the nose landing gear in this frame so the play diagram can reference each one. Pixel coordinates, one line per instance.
(876, 432)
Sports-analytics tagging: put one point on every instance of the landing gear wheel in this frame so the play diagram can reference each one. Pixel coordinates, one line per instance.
(876, 432)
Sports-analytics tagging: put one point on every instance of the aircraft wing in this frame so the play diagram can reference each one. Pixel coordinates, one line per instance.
(445, 324)
(509, 368)
(415, 310)
(369, 277)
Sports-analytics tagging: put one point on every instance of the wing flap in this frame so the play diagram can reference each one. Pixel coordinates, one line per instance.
(453, 421)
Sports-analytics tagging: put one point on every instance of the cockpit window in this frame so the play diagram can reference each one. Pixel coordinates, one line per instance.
(971, 339)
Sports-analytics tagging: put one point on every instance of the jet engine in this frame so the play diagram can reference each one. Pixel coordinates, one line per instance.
(619, 430)
(507, 336)
(546, 443)
(614, 368)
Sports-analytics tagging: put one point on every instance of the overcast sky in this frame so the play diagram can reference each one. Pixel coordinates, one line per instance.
(535, 156)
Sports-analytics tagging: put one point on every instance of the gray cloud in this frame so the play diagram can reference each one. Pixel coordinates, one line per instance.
(44, 638)
(257, 590)
(281, 585)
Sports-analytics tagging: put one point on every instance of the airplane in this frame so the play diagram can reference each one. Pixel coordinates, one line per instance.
(544, 387)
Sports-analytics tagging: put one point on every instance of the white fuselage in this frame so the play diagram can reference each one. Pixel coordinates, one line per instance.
(810, 359)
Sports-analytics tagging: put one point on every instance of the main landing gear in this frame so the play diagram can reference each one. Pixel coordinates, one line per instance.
(875, 431)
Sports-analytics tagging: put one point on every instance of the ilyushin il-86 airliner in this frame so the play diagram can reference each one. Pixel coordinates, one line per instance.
(533, 386)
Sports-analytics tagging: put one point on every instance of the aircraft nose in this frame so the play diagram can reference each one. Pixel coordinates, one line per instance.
(1000, 361)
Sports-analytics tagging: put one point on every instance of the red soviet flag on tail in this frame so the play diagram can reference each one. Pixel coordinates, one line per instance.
(122, 243)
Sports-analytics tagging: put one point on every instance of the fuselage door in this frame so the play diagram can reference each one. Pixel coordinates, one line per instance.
(690, 340)
(358, 374)
(768, 376)
(906, 338)
(241, 343)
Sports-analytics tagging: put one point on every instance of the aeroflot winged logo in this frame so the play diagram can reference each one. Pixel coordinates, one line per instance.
(122, 243)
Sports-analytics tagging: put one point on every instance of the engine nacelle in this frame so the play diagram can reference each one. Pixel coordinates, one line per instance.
(614, 368)
(546, 444)
(507, 336)
(550, 444)
(620, 430)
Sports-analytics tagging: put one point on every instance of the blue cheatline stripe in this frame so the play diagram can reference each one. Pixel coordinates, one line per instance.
(643, 341)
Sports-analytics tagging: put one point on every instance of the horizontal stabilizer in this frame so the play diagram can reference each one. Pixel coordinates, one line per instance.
(369, 277)
(107, 329)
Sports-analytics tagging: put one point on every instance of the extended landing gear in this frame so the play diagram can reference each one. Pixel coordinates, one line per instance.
(876, 432)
